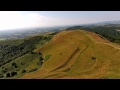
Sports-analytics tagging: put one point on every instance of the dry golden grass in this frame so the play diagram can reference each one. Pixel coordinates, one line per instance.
(97, 37)
(71, 57)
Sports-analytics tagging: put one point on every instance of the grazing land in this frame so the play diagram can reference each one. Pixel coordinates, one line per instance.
(78, 54)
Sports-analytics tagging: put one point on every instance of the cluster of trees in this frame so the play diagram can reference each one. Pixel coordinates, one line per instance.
(11, 74)
(109, 32)
(12, 49)
(8, 71)
(11, 52)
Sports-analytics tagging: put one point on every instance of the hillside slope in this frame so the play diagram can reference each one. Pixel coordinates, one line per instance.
(19, 56)
(78, 54)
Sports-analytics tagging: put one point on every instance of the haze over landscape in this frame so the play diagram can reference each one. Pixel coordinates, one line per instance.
(29, 19)
(59, 44)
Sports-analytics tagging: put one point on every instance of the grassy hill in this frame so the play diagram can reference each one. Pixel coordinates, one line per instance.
(78, 54)
(70, 54)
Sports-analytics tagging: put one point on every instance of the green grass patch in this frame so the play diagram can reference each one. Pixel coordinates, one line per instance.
(47, 57)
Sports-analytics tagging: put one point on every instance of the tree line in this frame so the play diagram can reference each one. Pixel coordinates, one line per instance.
(109, 32)
(12, 51)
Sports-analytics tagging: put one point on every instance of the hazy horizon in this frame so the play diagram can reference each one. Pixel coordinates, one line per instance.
(31, 19)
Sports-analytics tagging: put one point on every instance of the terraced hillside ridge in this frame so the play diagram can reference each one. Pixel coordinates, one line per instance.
(78, 54)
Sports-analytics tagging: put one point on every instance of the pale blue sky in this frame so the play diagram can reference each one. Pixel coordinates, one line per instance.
(78, 14)
(27, 19)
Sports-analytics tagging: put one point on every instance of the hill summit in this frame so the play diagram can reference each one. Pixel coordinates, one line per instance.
(78, 54)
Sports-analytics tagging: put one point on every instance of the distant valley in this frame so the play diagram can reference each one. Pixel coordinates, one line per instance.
(22, 33)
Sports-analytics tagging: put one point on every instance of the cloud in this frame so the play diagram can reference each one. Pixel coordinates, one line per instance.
(13, 20)
(23, 19)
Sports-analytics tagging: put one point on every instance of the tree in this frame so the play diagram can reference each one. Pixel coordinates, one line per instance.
(21, 48)
(13, 73)
(14, 65)
(23, 71)
(22, 63)
(31, 52)
(41, 58)
(8, 75)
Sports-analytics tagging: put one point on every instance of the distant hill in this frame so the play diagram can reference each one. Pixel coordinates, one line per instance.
(114, 22)
(23, 33)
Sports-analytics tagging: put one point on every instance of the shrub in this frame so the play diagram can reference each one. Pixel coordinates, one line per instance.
(41, 58)
(22, 63)
(23, 71)
(2, 67)
(33, 70)
(47, 57)
(41, 62)
(93, 58)
(14, 65)
(31, 52)
(13, 73)
(8, 75)
(1, 76)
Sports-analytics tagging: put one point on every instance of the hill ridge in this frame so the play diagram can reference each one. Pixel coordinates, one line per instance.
(78, 54)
